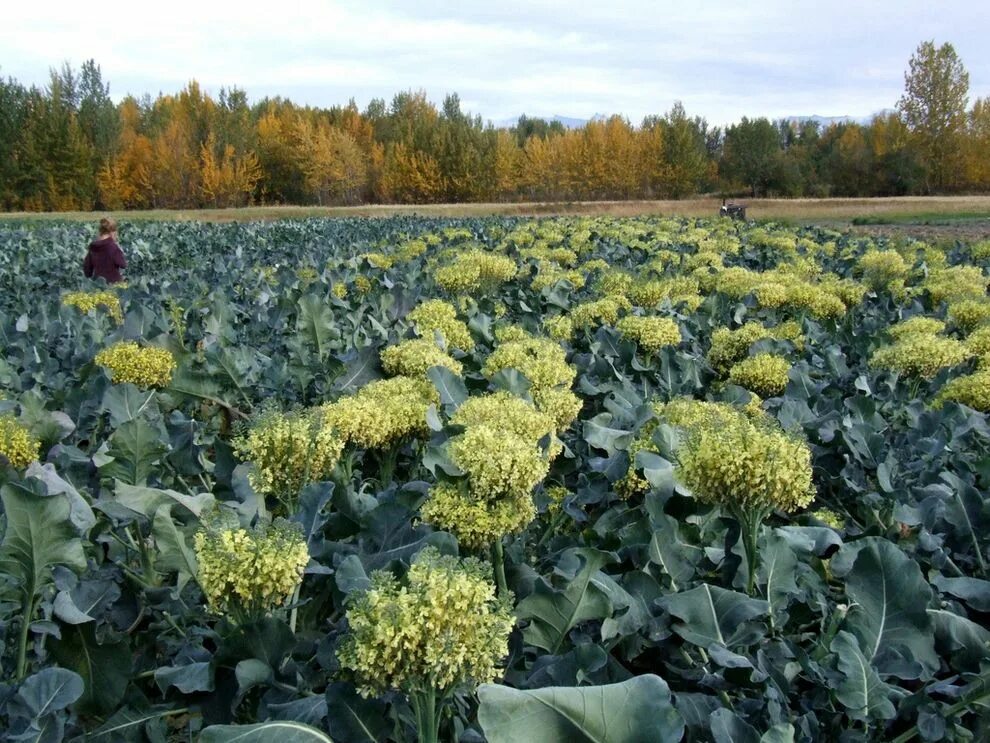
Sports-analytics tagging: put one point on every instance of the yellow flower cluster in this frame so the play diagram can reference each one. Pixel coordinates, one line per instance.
(543, 254)
(339, 290)
(306, 274)
(614, 283)
(250, 572)
(765, 374)
(441, 629)
(729, 346)
(506, 412)
(129, 362)
(604, 311)
(560, 404)
(476, 522)
(362, 284)
(86, 301)
(473, 270)
(378, 260)
(678, 290)
(825, 299)
(882, 268)
(501, 455)
(969, 314)
(382, 413)
(541, 361)
(289, 450)
(412, 358)
(437, 315)
(972, 390)
(410, 250)
(915, 326)
(595, 264)
(550, 273)
(847, 291)
(651, 333)
(559, 327)
(746, 466)
(978, 342)
(683, 412)
(980, 251)
(955, 283)
(830, 518)
(17, 444)
(920, 355)
(498, 465)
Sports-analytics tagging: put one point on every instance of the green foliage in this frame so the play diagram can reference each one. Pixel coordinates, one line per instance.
(675, 556)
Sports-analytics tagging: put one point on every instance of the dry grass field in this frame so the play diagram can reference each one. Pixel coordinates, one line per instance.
(970, 212)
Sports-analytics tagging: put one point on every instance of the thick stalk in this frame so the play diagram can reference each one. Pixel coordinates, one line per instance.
(750, 522)
(294, 613)
(386, 465)
(498, 563)
(22, 642)
(558, 519)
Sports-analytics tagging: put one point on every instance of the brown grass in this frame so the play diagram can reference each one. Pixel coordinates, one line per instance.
(900, 209)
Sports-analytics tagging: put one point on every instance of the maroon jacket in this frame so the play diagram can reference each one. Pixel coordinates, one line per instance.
(104, 260)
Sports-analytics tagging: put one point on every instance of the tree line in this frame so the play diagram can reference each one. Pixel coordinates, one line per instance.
(69, 146)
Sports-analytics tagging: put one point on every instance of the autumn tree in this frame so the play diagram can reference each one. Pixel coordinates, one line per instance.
(976, 149)
(936, 89)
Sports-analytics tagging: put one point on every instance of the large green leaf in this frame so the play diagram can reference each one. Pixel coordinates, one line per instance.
(39, 536)
(636, 710)
(125, 723)
(147, 501)
(553, 612)
(353, 718)
(776, 572)
(676, 557)
(264, 732)
(315, 324)
(714, 616)
(449, 385)
(136, 448)
(105, 668)
(888, 597)
(861, 691)
(125, 402)
(174, 553)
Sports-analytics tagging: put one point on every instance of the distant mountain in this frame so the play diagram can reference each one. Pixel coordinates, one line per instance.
(569, 122)
(826, 121)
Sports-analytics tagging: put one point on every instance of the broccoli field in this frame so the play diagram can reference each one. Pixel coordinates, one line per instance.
(566, 479)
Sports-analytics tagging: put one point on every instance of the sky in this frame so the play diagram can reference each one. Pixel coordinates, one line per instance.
(723, 60)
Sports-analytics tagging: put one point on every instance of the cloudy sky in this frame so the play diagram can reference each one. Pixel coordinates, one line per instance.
(722, 59)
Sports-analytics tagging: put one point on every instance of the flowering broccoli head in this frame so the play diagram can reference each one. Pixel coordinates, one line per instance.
(441, 628)
(145, 367)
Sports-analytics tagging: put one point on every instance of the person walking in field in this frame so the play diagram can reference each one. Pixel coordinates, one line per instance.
(105, 258)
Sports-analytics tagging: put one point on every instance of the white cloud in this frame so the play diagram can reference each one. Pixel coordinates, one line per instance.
(723, 59)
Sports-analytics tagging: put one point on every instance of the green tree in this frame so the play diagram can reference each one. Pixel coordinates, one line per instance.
(685, 153)
(751, 154)
(936, 90)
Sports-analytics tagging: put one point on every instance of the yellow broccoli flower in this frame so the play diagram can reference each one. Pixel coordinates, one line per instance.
(764, 374)
(289, 450)
(249, 573)
(17, 444)
(413, 358)
(651, 333)
(440, 629)
(87, 301)
(129, 362)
